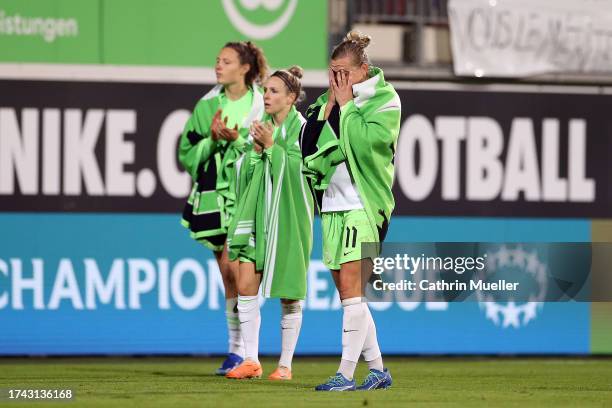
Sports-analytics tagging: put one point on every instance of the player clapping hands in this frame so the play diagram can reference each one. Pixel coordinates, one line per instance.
(262, 134)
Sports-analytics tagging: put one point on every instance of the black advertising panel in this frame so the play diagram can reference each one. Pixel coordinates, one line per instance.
(111, 147)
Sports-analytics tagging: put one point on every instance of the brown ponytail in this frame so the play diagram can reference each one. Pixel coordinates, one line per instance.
(251, 54)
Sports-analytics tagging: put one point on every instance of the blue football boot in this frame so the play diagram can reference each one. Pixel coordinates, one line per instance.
(376, 380)
(337, 383)
(232, 361)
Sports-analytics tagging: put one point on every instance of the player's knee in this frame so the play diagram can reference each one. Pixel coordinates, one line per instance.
(228, 271)
(246, 288)
(344, 294)
(229, 282)
(350, 286)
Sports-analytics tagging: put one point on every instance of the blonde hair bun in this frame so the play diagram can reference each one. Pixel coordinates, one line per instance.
(362, 40)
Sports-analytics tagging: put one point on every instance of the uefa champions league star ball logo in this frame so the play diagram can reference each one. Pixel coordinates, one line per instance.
(516, 264)
(259, 31)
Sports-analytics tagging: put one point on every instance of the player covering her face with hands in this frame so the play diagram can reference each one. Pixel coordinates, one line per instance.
(271, 234)
(348, 146)
(210, 149)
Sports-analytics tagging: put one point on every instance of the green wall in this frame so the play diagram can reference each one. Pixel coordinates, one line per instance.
(160, 32)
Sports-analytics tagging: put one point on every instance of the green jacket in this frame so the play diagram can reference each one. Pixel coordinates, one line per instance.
(273, 222)
(213, 166)
(365, 137)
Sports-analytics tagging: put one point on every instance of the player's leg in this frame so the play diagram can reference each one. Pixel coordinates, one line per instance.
(333, 235)
(355, 272)
(371, 352)
(250, 321)
(358, 329)
(347, 286)
(354, 319)
(378, 376)
(229, 275)
(291, 323)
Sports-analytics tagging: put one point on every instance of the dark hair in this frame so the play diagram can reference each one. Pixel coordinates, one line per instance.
(251, 54)
(353, 44)
(291, 77)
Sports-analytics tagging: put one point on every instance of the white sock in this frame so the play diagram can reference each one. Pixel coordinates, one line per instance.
(236, 345)
(347, 368)
(250, 320)
(291, 322)
(371, 351)
(354, 331)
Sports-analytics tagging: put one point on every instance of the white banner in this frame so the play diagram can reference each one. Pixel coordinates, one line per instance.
(516, 38)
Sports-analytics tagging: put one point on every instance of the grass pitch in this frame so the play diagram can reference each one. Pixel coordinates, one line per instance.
(427, 382)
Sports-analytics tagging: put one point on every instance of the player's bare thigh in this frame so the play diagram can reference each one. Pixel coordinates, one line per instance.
(248, 279)
(229, 272)
(350, 280)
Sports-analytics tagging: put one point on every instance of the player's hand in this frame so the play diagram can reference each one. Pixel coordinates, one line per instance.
(253, 131)
(257, 147)
(262, 133)
(343, 88)
(229, 134)
(331, 96)
(215, 126)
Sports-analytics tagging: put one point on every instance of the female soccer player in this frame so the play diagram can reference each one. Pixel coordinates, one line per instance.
(272, 231)
(210, 149)
(348, 146)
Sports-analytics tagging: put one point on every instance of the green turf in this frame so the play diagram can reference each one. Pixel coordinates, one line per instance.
(185, 382)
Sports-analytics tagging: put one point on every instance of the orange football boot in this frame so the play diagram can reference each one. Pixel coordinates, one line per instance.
(280, 374)
(248, 369)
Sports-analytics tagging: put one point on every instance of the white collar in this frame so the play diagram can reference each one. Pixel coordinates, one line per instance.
(365, 90)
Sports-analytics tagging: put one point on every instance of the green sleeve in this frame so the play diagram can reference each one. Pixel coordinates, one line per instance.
(273, 154)
(196, 144)
(251, 159)
(282, 158)
(319, 167)
(241, 141)
(376, 132)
